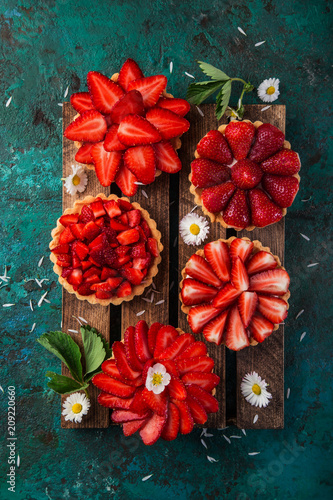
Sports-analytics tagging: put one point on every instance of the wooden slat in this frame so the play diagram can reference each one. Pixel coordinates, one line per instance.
(267, 358)
(199, 127)
(157, 205)
(97, 316)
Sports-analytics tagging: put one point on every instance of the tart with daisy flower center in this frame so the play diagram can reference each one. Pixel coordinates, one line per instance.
(235, 292)
(105, 249)
(128, 127)
(159, 382)
(245, 175)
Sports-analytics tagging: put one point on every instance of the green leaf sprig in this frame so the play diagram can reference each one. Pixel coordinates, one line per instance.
(95, 350)
(198, 92)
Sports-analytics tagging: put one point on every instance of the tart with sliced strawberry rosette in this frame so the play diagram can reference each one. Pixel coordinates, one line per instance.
(105, 249)
(245, 175)
(159, 382)
(128, 127)
(235, 292)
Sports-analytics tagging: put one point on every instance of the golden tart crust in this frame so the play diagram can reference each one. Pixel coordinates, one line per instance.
(257, 247)
(137, 289)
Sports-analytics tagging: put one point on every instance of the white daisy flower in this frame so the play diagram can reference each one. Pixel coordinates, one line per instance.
(254, 390)
(157, 378)
(75, 406)
(77, 181)
(193, 229)
(268, 90)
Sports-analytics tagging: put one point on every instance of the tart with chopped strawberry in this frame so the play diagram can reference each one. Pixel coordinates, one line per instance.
(245, 175)
(128, 127)
(235, 292)
(159, 382)
(105, 249)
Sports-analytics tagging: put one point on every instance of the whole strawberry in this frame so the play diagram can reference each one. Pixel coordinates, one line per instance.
(284, 162)
(263, 210)
(268, 141)
(240, 137)
(237, 213)
(246, 174)
(214, 147)
(282, 189)
(206, 173)
(216, 198)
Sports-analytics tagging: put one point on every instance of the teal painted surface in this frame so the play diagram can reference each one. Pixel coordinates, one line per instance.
(47, 46)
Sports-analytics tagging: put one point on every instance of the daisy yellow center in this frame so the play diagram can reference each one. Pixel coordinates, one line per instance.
(270, 90)
(194, 229)
(256, 389)
(157, 378)
(76, 180)
(76, 408)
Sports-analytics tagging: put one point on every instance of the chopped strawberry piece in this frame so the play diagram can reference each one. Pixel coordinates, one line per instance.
(106, 164)
(126, 181)
(91, 230)
(77, 230)
(134, 218)
(217, 255)
(157, 402)
(84, 289)
(261, 261)
(194, 292)
(109, 285)
(153, 429)
(145, 228)
(97, 208)
(150, 88)
(153, 247)
(196, 364)
(92, 279)
(125, 205)
(239, 277)
(242, 248)
(64, 260)
(113, 386)
(123, 416)
(66, 236)
(196, 349)
(214, 147)
(216, 198)
(208, 173)
(281, 189)
(226, 296)
(61, 249)
(178, 106)
(198, 413)
(129, 71)
(83, 154)
(260, 327)
(80, 249)
(141, 341)
(130, 104)
(167, 159)
(123, 366)
(186, 421)
(112, 208)
(275, 281)
(129, 342)
(86, 215)
(236, 337)
(247, 304)
(134, 130)
(240, 135)
(198, 268)
(167, 123)
(207, 401)
(118, 226)
(68, 219)
(285, 162)
(110, 401)
(130, 428)
(76, 262)
(86, 265)
(103, 295)
(213, 331)
(207, 381)
(142, 263)
(140, 160)
(171, 428)
(165, 337)
(104, 92)
(91, 271)
(246, 174)
(269, 140)
(274, 309)
(152, 334)
(88, 127)
(237, 213)
(81, 102)
(129, 236)
(199, 316)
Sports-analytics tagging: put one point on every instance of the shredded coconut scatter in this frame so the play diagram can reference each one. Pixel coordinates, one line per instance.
(141, 313)
(314, 264)
(288, 392)
(33, 327)
(227, 439)
(244, 432)
(199, 111)
(211, 459)
(8, 305)
(265, 108)
(144, 193)
(259, 43)
(196, 206)
(31, 307)
(254, 453)
(40, 261)
(307, 199)
(255, 419)
(171, 67)
(82, 319)
(9, 101)
(203, 443)
(189, 75)
(147, 477)
(241, 31)
(159, 302)
(305, 237)
(236, 437)
(302, 336)
(73, 331)
(41, 300)
(66, 92)
(299, 314)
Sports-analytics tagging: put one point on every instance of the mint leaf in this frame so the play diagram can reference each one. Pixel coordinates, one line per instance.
(66, 349)
(198, 92)
(214, 73)
(62, 384)
(222, 100)
(94, 351)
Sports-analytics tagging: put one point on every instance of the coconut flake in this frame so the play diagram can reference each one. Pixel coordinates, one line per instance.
(236, 437)
(314, 264)
(196, 206)
(189, 75)
(9, 101)
(241, 31)
(244, 432)
(171, 67)
(209, 435)
(203, 443)
(288, 392)
(144, 193)
(73, 331)
(203, 432)
(299, 314)
(31, 305)
(42, 299)
(33, 327)
(265, 108)
(172, 202)
(305, 237)
(152, 297)
(153, 285)
(18, 460)
(60, 104)
(141, 313)
(252, 453)
(147, 477)
(38, 283)
(1, 389)
(302, 336)
(82, 319)
(200, 111)
(139, 183)
(77, 319)
(255, 419)
(211, 459)
(66, 91)
(146, 300)
(8, 305)
(171, 286)
(259, 43)
(40, 261)
(159, 302)
(175, 242)
(307, 199)
(226, 438)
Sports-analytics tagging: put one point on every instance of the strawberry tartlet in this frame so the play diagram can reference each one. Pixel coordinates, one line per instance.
(158, 382)
(128, 127)
(235, 292)
(105, 249)
(245, 175)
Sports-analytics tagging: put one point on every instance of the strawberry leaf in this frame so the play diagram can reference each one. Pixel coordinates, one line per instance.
(64, 385)
(222, 100)
(198, 92)
(214, 73)
(94, 351)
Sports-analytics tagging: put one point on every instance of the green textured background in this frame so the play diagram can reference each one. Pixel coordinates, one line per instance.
(49, 45)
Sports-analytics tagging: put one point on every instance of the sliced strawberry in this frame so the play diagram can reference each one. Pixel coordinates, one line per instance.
(166, 157)
(226, 296)
(115, 402)
(127, 237)
(91, 230)
(153, 429)
(130, 104)
(146, 228)
(269, 140)
(186, 420)
(216, 198)
(167, 123)
(80, 249)
(138, 404)
(199, 316)
(141, 341)
(112, 208)
(198, 348)
(86, 215)
(282, 189)
(164, 338)
(76, 262)
(81, 102)
(104, 92)
(152, 334)
(207, 173)
(263, 210)
(157, 402)
(206, 381)
(198, 268)
(213, 331)
(214, 147)
(68, 219)
(109, 367)
(198, 413)
(83, 154)
(240, 137)
(153, 247)
(61, 249)
(129, 71)
(77, 230)
(84, 289)
(284, 162)
(176, 389)
(194, 292)
(126, 181)
(110, 285)
(121, 416)
(196, 364)
(247, 304)
(275, 281)
(246, 174)
(274, 309)
(242, 248)
(207, 401)
(171, 428)
(111, 141)
(112, 386)
(217, 254)
(88, 127)
(150, 88)
(125, 205)
(261, 261)
(130, 428)
(260, 327)
(134, 218)
(122, 363)
(118, 226)
(66, 236)
(237, 213)
(178, 106)
(134, 276)
(76, 277)
(170, 367)
(103, 295)
(239, 277)
(97, 208)
(129, 343)
(140, 160)
(179, 345)
(134, 130)
(236, 337)
(106, 164)
(124, 289)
